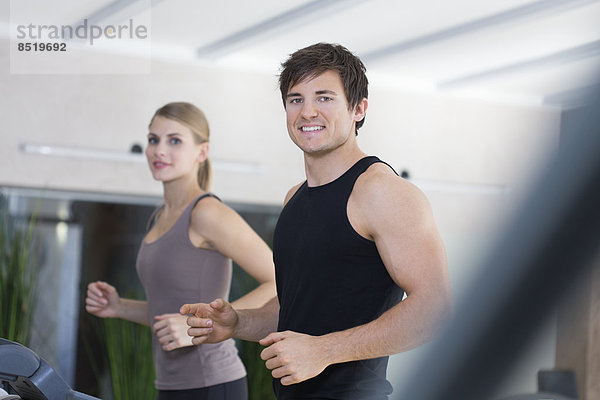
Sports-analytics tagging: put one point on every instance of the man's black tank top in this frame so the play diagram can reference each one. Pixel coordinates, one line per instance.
(329, 278)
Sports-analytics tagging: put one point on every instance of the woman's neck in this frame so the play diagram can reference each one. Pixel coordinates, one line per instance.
(179, 194)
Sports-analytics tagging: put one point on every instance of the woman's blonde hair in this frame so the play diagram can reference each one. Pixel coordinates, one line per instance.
(193, 118)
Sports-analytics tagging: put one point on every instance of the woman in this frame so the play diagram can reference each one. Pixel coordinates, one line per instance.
(186, 258)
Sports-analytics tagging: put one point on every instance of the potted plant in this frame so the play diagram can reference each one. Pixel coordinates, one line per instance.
(17, 276)
(129, 356)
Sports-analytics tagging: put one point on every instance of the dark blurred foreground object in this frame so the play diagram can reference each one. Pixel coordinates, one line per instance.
(552, 385)
(24, 373)
(553, 239)
(560, 382)
(538, 396)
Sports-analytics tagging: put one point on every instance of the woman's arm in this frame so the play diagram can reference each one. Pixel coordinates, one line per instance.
(104, 301)
(228, 233)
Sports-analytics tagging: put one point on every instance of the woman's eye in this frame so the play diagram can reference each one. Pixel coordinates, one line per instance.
(175, 141)
(296, 101)
(325, 98)
(152, 140)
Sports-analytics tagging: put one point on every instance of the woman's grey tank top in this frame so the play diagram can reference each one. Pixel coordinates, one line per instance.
(174, 272)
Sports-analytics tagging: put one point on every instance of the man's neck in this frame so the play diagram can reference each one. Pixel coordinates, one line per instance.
(324, 168)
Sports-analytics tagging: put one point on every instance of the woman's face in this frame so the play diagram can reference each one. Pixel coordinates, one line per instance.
(171, 151)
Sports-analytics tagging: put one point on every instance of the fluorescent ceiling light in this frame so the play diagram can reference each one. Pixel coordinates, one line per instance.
(112, 155)
(75, 152)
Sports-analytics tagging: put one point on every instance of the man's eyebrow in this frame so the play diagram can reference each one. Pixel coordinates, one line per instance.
(326, 91)
(318, 92)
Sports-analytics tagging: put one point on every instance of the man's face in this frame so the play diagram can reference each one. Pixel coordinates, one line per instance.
(318, 119)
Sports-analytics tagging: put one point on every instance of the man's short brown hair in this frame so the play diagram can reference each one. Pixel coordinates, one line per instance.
(313, 60)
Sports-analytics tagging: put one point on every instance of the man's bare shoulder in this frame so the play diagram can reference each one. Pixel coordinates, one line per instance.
(380, 182)
(384, 204)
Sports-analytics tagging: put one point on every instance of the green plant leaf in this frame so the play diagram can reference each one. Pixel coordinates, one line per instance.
(17, 276)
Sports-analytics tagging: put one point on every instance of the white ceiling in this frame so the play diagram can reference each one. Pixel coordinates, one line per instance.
(522, 51)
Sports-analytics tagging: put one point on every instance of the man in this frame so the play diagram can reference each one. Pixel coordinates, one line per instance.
(350, 242)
